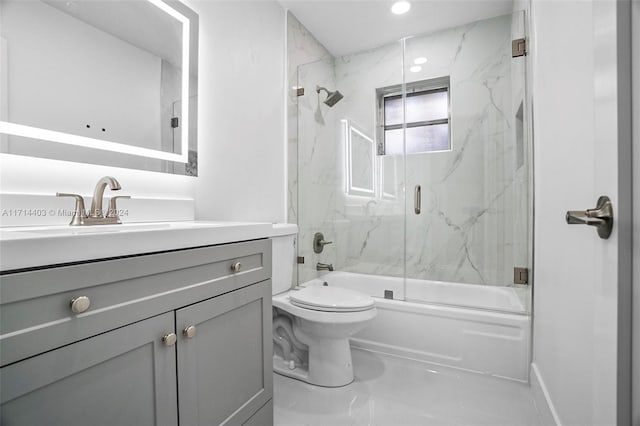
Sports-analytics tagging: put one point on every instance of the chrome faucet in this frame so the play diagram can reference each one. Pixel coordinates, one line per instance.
(96, 216)
(324, 267)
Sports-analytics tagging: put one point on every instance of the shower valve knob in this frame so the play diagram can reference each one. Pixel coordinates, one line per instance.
(319, 242)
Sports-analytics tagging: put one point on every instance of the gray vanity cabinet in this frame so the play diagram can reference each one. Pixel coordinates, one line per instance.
(124, 377)
(233, 378)
(112, 363)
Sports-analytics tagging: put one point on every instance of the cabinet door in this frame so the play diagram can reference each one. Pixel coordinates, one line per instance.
(123, 377)
(224, 370)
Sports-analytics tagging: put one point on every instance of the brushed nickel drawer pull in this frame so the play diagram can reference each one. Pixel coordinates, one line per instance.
(189, 331)
(236, 266)
(80, 304)
(169, 339)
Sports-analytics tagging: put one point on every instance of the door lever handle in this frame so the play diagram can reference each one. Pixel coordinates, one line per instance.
(601, 217)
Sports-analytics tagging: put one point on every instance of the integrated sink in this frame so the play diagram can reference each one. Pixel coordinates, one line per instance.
(100, 229)
(28, 247)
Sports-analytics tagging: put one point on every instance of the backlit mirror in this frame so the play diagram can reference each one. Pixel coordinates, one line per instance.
(360, 155)
(111, 82)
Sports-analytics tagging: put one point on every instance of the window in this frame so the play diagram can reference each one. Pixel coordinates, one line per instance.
(426, 117)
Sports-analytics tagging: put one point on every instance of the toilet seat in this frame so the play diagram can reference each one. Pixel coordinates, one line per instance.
(331, 299)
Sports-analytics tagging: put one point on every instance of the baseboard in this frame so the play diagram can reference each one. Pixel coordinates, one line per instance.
(546, 410)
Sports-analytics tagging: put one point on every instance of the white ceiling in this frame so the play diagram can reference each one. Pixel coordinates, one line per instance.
(350, 26)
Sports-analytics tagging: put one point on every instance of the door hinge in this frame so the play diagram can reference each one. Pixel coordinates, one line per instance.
(520, 275)
(518, 47)
(175, 122)
(300, 259)
(300, 91)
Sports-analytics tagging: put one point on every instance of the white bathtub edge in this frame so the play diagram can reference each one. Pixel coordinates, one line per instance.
(546, 410)
(449, 310)
(427, 358)
(401, 352)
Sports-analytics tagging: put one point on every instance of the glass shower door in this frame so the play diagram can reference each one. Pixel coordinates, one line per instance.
(344, 189)
(467, 149)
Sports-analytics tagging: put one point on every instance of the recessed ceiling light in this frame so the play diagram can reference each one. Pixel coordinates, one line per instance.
(415, 68)
(419, 61)
(400, 7)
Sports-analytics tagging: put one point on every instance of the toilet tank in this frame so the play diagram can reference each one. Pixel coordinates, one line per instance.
(283, 239)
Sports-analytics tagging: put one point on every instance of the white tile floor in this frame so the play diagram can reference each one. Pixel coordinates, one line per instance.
(391, 391)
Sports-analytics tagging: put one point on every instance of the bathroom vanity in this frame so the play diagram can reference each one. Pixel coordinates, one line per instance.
(170, 336)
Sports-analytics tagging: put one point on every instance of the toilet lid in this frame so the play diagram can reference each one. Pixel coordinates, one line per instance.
(331, 299)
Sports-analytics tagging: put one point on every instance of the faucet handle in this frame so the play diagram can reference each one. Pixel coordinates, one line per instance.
(79, 214)
(113, 210)
(319, 242)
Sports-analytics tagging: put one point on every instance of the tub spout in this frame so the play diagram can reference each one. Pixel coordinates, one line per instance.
(324, 267)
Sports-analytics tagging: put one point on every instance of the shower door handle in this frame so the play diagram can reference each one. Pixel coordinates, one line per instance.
(417, 195)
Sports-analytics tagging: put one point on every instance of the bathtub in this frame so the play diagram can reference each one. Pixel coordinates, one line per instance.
(477, 328)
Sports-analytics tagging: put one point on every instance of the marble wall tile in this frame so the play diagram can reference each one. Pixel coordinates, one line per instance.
(302, 48)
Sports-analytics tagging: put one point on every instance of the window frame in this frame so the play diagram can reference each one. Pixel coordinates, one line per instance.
(414, 88)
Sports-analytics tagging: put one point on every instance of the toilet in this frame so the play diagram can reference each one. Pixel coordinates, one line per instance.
(312, 324)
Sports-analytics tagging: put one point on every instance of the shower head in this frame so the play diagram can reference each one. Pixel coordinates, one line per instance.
(332, 97)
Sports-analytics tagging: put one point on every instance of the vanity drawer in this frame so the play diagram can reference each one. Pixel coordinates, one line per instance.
(35, 306)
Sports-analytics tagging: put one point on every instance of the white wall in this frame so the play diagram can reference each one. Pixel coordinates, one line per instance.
(241, 136)
(241, 122)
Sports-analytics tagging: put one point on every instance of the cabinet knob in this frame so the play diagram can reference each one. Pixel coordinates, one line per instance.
(236, 266)
(169, 339)
(80, 304)
(189, 331)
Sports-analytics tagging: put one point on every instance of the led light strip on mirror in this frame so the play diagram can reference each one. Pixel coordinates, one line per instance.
(93, 143)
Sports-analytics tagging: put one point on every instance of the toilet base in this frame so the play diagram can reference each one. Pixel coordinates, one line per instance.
(318, 342)
(326, 375)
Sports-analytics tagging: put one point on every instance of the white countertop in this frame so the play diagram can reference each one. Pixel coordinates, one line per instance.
(25, 247)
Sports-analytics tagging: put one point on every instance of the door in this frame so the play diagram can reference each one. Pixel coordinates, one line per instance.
(582, 286)
(344, 189)
(126, 377)
(224, 357)
(468, 160)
